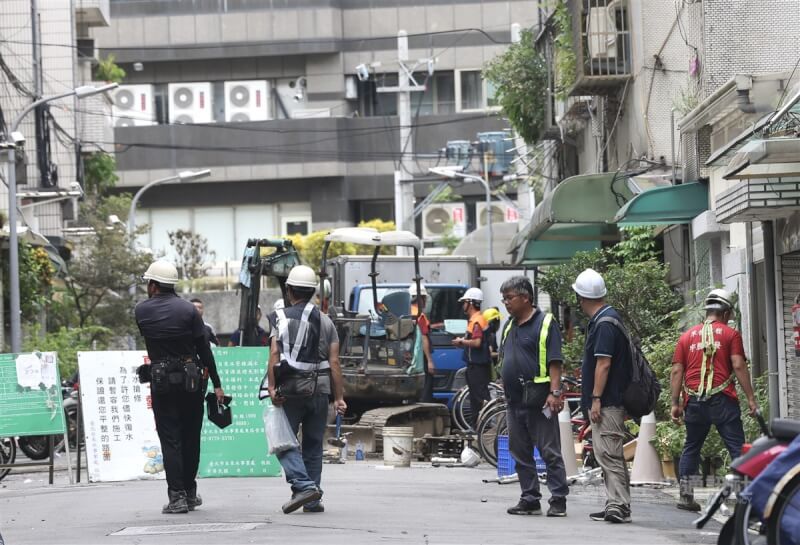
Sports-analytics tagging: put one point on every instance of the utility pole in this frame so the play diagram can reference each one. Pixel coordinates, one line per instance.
(526, 198)
(403, 188)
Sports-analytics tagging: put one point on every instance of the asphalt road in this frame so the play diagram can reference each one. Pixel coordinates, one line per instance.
(366, 503)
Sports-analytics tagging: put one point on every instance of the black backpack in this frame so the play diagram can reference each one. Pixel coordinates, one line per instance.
(641, 395)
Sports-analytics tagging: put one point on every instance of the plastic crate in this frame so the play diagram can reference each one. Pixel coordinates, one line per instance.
(505, 462)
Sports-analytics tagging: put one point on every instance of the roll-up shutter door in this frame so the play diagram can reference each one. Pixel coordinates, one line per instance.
(790, 269)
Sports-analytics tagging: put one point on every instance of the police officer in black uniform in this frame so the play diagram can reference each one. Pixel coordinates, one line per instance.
(180, 364)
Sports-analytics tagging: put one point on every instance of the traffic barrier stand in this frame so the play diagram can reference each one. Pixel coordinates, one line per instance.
(646, 464)
(567, 441)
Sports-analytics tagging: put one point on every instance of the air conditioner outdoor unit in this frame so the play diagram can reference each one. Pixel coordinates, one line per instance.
(246, 100)
(602, 33)
(190, 103)
(501, 213)
(133, 106)
(439, 219)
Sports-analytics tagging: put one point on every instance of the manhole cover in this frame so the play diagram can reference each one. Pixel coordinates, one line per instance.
(188, 528)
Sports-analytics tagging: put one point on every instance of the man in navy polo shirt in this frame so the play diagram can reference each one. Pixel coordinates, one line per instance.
(530, 334)
(605, 374)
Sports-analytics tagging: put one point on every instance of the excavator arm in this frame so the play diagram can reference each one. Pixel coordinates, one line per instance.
(262, 257)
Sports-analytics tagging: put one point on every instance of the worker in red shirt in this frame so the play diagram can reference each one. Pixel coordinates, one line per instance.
(708, 359)
(418, 302)
(476, 352)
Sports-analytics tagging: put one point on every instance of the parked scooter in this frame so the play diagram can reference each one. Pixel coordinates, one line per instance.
(745, 527)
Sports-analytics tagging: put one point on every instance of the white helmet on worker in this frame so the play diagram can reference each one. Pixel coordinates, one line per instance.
(412, 290)
(302, 276)
(590, 285)
(472, 294)
(718, 299)
(162, 272)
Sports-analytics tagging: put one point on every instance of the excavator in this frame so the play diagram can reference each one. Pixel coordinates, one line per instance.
(382, 378)
(262, 257)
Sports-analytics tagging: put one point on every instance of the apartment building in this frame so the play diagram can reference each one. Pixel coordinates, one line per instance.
(42, 54)
(268, 96)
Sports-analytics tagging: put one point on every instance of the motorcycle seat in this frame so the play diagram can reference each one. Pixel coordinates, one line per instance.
(784, 429)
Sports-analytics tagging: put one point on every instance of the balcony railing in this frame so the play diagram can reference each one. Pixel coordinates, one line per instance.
(602, 38)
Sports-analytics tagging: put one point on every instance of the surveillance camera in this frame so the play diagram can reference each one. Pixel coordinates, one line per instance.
(362, 71)
(138, 67)
(18, 138)
(75, 186)
(298, 97)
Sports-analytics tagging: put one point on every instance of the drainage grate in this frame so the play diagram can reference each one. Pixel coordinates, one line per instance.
(188, 528)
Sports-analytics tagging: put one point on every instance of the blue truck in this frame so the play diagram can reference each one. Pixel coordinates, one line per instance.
(445, 278)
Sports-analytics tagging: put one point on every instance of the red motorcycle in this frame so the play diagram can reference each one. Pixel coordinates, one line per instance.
(745, 526)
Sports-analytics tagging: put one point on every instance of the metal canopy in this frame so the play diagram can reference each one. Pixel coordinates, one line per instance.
(373, 237)
(665, 205)
(576, 216)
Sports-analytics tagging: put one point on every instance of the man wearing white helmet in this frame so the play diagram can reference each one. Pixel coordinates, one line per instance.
(606, 372)
(180, 364)
(707, 359)
(418, 302)
(303, 372)
(476, 352)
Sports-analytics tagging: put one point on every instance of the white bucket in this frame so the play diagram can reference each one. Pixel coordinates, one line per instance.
(398, 444)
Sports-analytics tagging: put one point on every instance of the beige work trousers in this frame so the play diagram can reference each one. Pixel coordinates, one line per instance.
(608, 439)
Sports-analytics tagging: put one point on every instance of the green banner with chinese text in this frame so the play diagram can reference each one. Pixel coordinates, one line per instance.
(239, 450)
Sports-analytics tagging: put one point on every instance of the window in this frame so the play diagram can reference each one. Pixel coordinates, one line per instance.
(473, 92)
(437, 99)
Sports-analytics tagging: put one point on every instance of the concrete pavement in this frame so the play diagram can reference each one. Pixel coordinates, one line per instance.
(366, 504)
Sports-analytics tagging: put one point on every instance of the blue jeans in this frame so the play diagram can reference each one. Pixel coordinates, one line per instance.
(303, 467)
(719, 410)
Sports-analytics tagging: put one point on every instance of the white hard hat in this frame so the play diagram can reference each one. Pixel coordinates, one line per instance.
(279, 304)
(718, 299)
(412, 290)
(472, 294)
(162, 272)
(302, 276)
(590, 285)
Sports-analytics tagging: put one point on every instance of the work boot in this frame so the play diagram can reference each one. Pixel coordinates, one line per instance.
(177, 503)
(558, 507)
(314, 507)
(526, 508)
(193, 499)
(686, 501)
(299, 499)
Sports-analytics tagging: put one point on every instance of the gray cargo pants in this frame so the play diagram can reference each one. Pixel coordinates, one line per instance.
(608, 438)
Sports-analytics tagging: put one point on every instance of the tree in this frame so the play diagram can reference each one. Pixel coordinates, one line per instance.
(520, 79)
(193, 256)
(101, 270)
(36, 273)
(107, 70)
(637, 289)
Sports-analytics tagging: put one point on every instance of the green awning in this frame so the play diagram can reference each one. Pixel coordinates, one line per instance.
(671, 205)
(552, 252)
(581, 210)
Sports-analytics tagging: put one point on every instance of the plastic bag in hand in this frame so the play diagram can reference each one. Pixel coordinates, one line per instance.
(279, 432)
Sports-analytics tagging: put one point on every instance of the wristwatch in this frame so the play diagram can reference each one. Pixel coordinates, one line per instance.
(555, 393)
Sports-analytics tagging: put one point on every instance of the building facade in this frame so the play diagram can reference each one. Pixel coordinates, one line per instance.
(284, 103)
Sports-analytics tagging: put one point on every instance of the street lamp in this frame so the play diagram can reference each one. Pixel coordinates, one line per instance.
(455, 172)
(179, 177)
(13, 239)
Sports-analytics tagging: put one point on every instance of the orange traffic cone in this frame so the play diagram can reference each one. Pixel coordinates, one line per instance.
(646, 465)
(567, 442)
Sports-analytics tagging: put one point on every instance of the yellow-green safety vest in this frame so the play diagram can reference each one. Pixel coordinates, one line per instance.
(544, 375)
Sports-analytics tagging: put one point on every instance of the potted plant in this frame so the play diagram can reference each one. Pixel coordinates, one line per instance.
(668, 442)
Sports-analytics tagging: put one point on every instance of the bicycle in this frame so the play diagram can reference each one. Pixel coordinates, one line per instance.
(461, 411)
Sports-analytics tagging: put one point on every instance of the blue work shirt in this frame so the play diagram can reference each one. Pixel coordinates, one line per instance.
(605, 340)
(521, 353)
